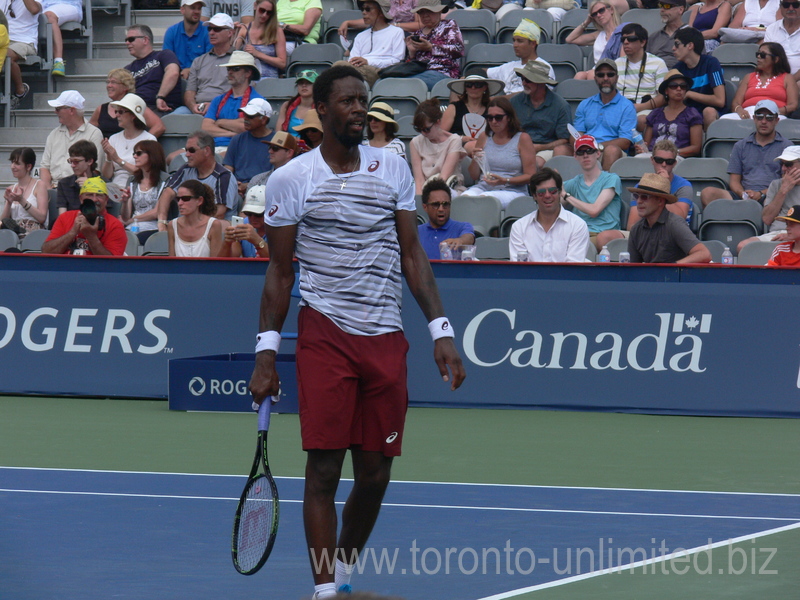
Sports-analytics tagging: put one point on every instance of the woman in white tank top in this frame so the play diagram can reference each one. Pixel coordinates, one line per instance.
(195, 233)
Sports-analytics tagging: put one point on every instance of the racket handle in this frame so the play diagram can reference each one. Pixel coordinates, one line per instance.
(264, 412)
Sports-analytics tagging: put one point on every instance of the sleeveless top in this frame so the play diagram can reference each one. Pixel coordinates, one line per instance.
(755, 16)
(504, 161)
(774, 89)
(458, 122)
(704, 21)
(107, 124)
(200, 247)
(268, 49)
(23, 218)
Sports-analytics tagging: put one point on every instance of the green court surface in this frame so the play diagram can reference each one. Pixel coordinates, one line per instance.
(546, 448)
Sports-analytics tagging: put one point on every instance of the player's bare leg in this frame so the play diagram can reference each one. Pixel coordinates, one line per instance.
(323, 471)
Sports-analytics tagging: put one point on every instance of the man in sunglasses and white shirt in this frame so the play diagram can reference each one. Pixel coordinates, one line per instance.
(786, 32)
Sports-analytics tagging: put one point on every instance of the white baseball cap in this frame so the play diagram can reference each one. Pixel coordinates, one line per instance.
(69, 98)
(190, 2)
(256, 200)
(220, 20)
(790, 154)
(257, 106)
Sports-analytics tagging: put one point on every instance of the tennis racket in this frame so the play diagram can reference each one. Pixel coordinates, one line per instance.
(256, 523)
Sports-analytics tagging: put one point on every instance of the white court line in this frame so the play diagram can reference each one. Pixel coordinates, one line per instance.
(428, 506)
(635, 565)
(464, 483)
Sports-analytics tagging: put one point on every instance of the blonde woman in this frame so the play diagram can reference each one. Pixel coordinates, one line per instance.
(605, 20)
(120, 82)
(264, 39)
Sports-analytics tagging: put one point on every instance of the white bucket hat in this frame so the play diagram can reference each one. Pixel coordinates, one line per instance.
(133, 103)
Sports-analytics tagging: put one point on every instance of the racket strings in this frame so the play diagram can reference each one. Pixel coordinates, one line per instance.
(255, 523)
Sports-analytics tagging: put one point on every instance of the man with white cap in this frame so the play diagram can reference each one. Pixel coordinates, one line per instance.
(222, 117)
(156, 72)
(542, 114)
(282, 148)
(188, 39)
(248, 239)
(247, 156)
(73, 127)
(525, 42)
(90, 229)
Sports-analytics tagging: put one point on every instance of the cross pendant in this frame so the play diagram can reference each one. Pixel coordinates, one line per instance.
(344, 183)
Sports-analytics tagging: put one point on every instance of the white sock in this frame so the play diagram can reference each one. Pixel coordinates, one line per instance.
(324, 590)
(58, 60)
(343, 573)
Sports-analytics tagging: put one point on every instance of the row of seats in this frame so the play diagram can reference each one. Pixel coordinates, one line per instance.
(156, 245)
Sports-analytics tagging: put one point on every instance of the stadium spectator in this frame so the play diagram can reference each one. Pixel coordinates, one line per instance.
(663, 159)
(83, 163)
(222, 120)
(201, 164)
(247, 155)
(750, 21)
(157, 72)
(90, 229)
(467, 115)
(786, 32)
(58, 12)
(752, 164)
(594, 194)
(436, 201)
(708, 90)
(401, 13)
(382, 129)
(660, 236)
(676, 122)
(23, 33)
(437, 44)
(787, 254)
(550, 233)
(264, 39)
(188, 39)
(140, 197)
(708, 18)
(543, 114)
(662, 41)
(119, 164)
(196, 232)
(72, 127)
(771, 80)
(300, 20)
(3, 38)
(120, 82)
(380, 46)
(248, 239)
(525, 41)
(206, 80)
(310, 131)
(240, 10)
(434, 152)
(26, 202)
(608, 116)
(640, 73)
(293, 111)
(605, 40)
(504, 158)
(282, 148)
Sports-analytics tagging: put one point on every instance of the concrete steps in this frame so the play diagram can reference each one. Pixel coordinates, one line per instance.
(85, 84)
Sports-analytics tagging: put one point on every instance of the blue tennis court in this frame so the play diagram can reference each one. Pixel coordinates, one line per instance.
(106, 534)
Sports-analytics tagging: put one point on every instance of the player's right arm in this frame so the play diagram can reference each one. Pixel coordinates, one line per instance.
(275, 299)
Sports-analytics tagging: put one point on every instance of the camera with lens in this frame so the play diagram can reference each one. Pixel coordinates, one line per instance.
(89, 210)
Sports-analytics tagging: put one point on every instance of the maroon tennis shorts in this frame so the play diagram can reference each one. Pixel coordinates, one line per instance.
(352, 388)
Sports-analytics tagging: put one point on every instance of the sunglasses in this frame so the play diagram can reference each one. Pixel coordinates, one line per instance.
(605, 75)
(474, 84)
(235, 69)
(271, 148)
(677, 44)
(496, 118)
(664, 161)
(585, 151)
(632, 39)
(637, 197)
(678, 86)
(787, 164)
(264, 11)
(438, 205)
(543, 191)
(133, 38)
(790, 4)
(664, 6)
(367, 8)
(120, 111)
(423, 129)
(75, 161)
(765, 117)
(217, 29)
(192, 150)
(763, 55)
(139, 152)
(598, 12)
(185, 198)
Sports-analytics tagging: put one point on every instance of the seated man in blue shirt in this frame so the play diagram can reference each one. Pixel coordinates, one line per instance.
(247, 154)
(188, 39)
(609, 117)
(440, 227)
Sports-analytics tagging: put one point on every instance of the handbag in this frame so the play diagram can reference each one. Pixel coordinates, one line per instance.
(403, 69)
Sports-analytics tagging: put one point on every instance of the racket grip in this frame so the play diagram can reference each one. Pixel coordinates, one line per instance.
(264, 413)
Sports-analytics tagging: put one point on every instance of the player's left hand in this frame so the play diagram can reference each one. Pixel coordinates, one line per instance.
(446, 355)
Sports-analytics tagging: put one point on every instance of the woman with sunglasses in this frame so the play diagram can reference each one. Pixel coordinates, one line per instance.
(681, 124)
(264, 40)
(709, 18)
(120, 82)
(605, 20)
(435, 152)
(26, 202)
(504, 158)
(293, 111)
(119, 165)
(310, 131)
(467, 115)
(195, 232)
(382, 129)
(772, 80)
(140, 197)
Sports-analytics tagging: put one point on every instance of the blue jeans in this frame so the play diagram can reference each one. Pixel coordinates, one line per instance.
(430, 78)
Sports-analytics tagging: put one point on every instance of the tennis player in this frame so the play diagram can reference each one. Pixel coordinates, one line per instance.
(348, 213)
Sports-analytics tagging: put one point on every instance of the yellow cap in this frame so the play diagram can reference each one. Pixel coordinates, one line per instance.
(94, 185)
(529, 30)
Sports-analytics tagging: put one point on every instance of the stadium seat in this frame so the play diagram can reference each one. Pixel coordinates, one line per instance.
(756, 253)
(790, 129)
(178, 128)
(276, 91)
(34, 240)
(316, 57)
(703, 173)
(156, 245)
(52, 208)
(489, 248)
(483, 212)
(566, 59)
(630, 171)
(716, 248)
(332, 7)
(566, 166)
(441, 91)
(8, 240)
(517, 208)
(403, 94)
(615, 247)
(737, 60)
(575, 92)
(731, 221)
(332, 23)
(723, 134)
(646, 17)
(571, 19)
(477, 26)
(591, 252)
(482, 56)
(511, 20)
(132, 248)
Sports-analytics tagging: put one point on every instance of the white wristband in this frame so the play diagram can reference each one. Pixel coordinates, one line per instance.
(440, 328)
(268, 340)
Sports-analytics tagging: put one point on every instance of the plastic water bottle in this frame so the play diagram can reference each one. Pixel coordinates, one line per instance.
(727, 257)
(135, 226)
(604, 255)
(445, 253)
(638, 140)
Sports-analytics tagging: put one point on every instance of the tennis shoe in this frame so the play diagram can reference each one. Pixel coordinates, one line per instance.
(58, 69)
(345, 589)
(15, 100)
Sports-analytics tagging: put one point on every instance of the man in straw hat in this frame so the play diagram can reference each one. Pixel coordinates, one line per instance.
(90, 229)
(542, 114)
(525, 42)
(223, 119)
(661, 236)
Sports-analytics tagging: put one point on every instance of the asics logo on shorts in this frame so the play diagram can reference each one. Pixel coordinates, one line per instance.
(391, 438)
